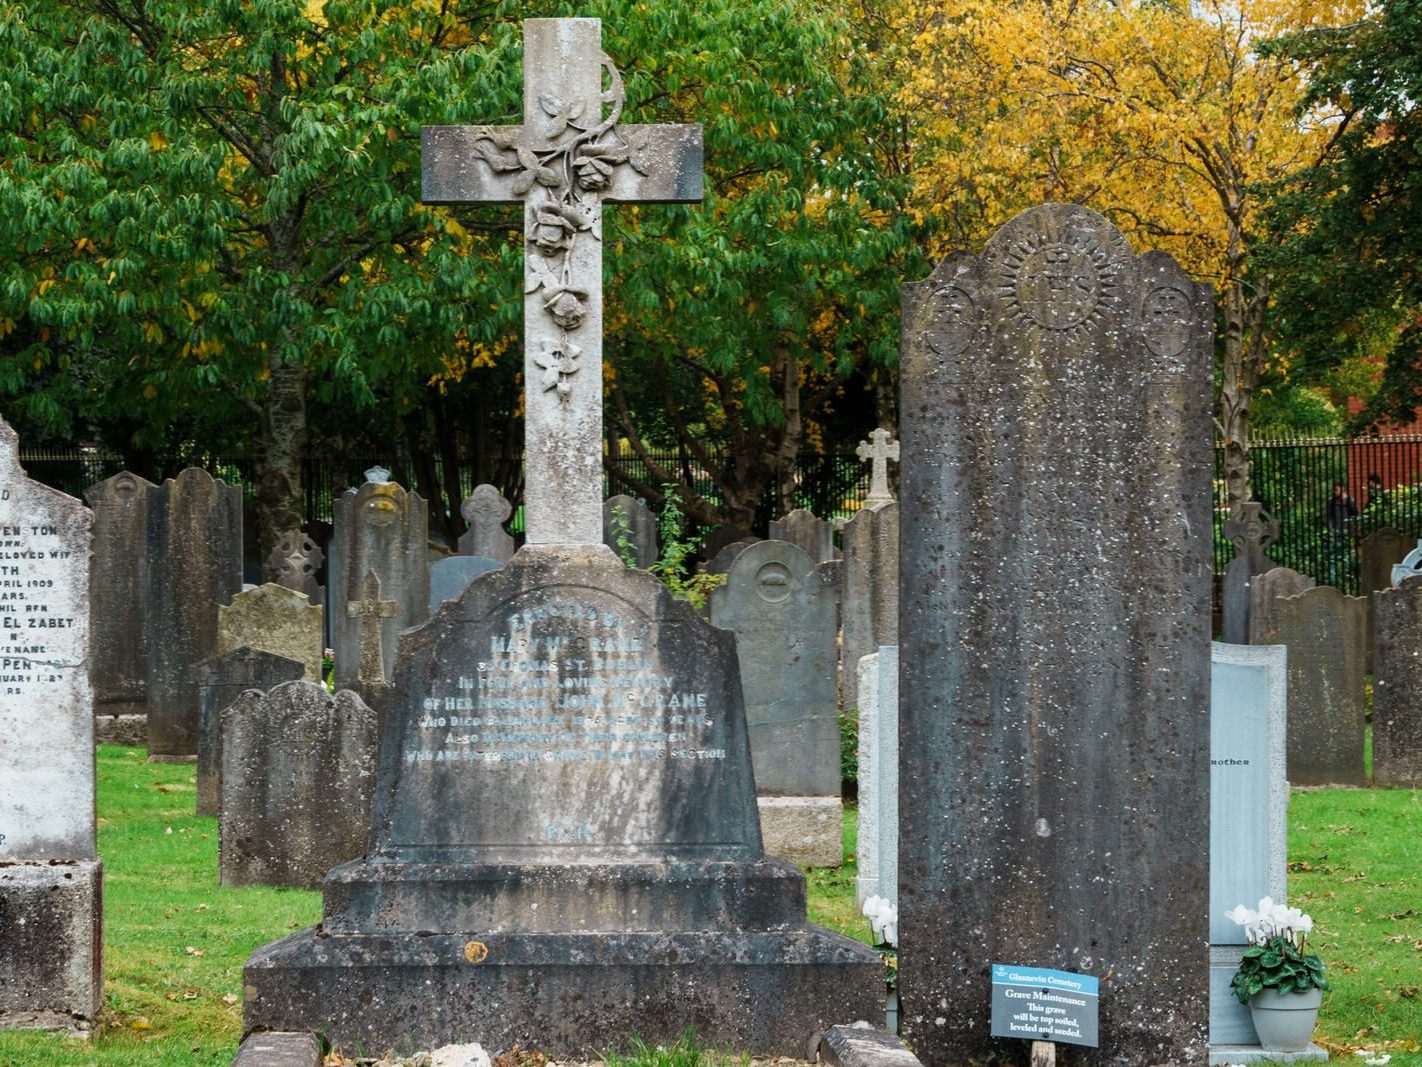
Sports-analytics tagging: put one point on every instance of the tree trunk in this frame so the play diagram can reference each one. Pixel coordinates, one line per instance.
(787, 453)
(282, 435)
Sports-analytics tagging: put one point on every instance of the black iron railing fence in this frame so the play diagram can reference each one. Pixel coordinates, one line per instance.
(1292, 478)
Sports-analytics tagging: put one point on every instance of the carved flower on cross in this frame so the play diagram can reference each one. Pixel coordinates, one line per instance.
(567, 306)
(553, 228)
(595, 164)
(558, 362)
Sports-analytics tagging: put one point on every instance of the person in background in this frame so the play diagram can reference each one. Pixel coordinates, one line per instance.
(1376, 496)
(1338, 516)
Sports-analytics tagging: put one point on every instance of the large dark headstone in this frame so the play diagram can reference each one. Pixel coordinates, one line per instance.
(118, 588)
(298, 773)
(1324, 631)
(194, 567)
(564, 821)
(625, 518)
(1054, 636)
(1378, 553)
(221, 680)
(380, 529)
(1397, 687)
(51, 900)
(1252, 530)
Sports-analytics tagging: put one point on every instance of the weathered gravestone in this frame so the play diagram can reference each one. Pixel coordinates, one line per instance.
(295, 562)
(868, 589)
(1323, 629)
(721, 562)
(448, 577)
(1378, 553)
(194, 566)
(1397, 686)
(806, 531)
(1252, 530)
(118, 602)
(877, 856)
(380, 529)
(274, 619)
(298, 774)
(781, 607)
(1264, 590)
(221, 680)
(486, 511)
(1249, 805)
(627, 519)
(51, 973)
(564, 815)
(1054, 636)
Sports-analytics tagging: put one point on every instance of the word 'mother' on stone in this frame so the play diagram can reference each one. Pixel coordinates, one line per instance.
(567, 158)
(1054, 635)
(50, 876)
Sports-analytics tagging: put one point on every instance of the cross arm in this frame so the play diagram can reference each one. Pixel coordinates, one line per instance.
(471, 164)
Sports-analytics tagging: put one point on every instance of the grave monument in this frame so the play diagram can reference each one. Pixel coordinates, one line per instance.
(51, 898)
(564, 848)
(1054, 637)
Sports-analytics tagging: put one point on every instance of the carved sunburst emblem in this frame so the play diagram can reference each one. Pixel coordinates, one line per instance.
(1066, 285)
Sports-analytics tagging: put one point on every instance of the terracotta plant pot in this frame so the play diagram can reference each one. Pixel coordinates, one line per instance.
(1285, 1021)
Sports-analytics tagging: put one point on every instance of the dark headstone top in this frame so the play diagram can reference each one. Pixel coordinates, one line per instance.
(1055, 634)
(565, 709)
(118, 586)
(626, 517)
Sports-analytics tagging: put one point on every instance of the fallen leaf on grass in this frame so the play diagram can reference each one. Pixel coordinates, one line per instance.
(140, 1023)
(229, 998)
(202, 907)
(1359, 877)
(193, 951)
(1402, 914)
(1409, 992)
(169, 830)
(1396, 939)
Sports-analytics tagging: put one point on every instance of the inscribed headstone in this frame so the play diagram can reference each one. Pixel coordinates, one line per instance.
(275, 619)
(50, 877)
(869, 589)
(486, 511)
(1252, 530)
(380, 529)
(194, 566)
(449, 576)
(118, 585)
(808, 532)
(1249, 806)
(1323, 629)
(221, 680)
(1264, 590)
(1054, 635)
(1397, 686)
(625, 518)
(298, 774)
(877, 855)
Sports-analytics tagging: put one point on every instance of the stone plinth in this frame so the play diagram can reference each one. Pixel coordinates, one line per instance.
(51, 945)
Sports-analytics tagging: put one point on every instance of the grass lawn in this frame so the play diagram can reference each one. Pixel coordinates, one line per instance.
(175, 941)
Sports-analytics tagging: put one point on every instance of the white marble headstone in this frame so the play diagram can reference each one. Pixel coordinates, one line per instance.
(877, 853)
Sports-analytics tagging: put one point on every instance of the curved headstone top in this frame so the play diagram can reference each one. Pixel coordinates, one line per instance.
(565, 709)
(1411, 564)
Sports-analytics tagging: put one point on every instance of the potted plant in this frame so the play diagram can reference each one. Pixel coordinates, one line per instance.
(1282, 984)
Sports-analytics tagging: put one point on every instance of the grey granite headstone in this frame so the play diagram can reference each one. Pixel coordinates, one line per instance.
(877, 857)
(1252, 530)
(808, 532)
(448, 577)
(486, 511)
(781, 607)
(295, 562)
(194, 566)
(298, 773)
(118, 584)
(565, 818)
(1264, 590)
(221, 680)
(380, 529)
(274, 619)
(1323, 630)
(1397, 686)
(638, 526)
(51, 973)
(1054, 636)
(869, 589)
(1249, 806)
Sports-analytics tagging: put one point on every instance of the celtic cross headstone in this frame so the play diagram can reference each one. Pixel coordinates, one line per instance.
(571, 155)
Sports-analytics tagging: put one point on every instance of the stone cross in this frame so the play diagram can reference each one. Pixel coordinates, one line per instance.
(879, 449)
(370, 608)
(566, 159)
